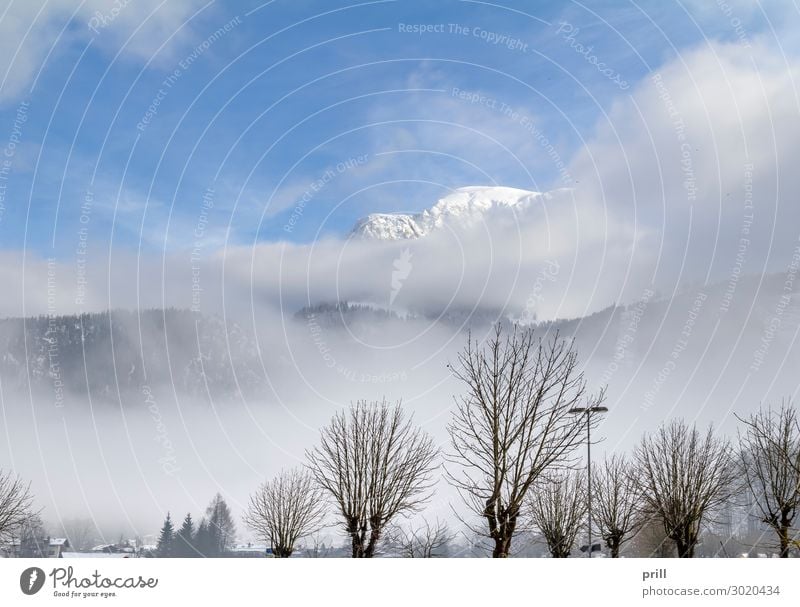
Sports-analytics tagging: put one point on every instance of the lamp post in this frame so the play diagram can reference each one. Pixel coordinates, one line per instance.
(588, 412)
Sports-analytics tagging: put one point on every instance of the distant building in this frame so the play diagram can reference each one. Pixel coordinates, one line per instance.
(53, 547)
(57, 547)
(249, 550)
(121, 548)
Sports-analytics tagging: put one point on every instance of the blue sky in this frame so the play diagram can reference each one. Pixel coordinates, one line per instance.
(287, 90)
(675, 124)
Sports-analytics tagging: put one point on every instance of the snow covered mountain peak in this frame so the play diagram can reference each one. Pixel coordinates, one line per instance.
(464, 206)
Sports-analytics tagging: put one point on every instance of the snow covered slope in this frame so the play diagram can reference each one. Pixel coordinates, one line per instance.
(107, 354)
(464, 207)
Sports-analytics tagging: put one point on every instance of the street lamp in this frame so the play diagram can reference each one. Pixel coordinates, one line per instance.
(588, 411)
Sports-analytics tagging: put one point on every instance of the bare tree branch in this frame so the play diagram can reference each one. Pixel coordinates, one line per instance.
(512, 423)
(285, 509)
(617, 500)
(16, 503)
(558, 508)
(375, 464)
(684, 477)
(427, 540)
(769, 460)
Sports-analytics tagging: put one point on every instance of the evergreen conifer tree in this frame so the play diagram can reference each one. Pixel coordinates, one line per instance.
(166, 539)
(185, 538)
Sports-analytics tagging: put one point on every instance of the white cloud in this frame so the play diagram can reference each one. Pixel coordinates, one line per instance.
(684, 154)
(662, 197)
(660, 201)
(29, 31)
(493, 265)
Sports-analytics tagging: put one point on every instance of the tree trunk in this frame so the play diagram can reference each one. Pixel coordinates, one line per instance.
(502, 546)
(358, 547)
(374, 536)
(691, 543)
(502, 534)
(614, 546)
(685, 549)
(783, 534)
(358, 537)
(685, 542)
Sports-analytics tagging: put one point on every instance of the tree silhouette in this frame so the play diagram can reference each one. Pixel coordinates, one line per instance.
(684, 476)
(184, 539)
(513, 423)
(16, 504)
(617, 499)
(220, 525)
(284, 509)
(558, 508)
(376, 465)
(166, 539)
(769, 459)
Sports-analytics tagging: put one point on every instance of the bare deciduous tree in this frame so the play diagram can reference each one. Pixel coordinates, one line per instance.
(512, 424)
(33, 539)
(16, 503)
(81, 533)
(558, 509)
(427, 540)
(376, 464)
(221, 530)
(285, 509)
(769, 459)
(617, 502)
(684, 477)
